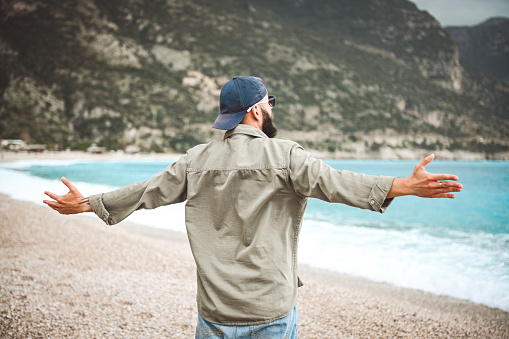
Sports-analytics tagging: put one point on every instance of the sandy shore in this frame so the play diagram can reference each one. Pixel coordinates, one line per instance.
(6, 156)
(73, 276)
(387, 154)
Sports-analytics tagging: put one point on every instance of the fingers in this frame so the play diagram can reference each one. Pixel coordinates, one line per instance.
(54, 205)
(429, 158)
(51, 203)
(444, 195)
(53, 195)
(446, 192)
(437, 177)
(68, 203)
(424, 162)
(443, 189)
(67, 183)
(73, 192)
(447, 185)
(440, 186)
(61, 208)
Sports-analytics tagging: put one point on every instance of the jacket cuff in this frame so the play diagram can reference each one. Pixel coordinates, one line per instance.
(96, 202)
(378, 195)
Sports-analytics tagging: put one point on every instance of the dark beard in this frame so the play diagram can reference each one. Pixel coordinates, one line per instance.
(268, 126)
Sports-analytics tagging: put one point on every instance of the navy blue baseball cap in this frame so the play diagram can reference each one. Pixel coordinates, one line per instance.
(236, 97)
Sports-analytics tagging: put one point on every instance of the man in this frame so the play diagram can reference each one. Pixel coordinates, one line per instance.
(246, 195)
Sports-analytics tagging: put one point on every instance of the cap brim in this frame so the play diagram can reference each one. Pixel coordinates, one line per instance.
(228, 121)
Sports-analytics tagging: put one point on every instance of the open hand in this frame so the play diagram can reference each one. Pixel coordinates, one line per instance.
(424, 184)
(71, 203)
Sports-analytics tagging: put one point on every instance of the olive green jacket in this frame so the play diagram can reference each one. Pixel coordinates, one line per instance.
(246, 196)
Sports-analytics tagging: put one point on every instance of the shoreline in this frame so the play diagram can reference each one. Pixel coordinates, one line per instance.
(79, 155)
(387, 154)
(75, 276)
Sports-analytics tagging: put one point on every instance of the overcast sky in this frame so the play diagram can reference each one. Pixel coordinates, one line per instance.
(464, 12)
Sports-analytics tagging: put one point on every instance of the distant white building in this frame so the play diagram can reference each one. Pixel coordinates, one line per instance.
(13, 144)
(132, 149)
(96, 149)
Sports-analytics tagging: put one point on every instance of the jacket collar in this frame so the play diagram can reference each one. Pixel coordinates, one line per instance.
(245, 129)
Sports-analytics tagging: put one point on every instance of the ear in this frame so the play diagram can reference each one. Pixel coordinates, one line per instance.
(254, 117)
(257, 114)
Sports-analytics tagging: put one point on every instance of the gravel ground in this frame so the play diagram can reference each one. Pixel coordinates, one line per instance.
(72, 276)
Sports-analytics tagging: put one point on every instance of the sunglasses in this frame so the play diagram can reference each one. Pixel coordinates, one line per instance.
(271, 101)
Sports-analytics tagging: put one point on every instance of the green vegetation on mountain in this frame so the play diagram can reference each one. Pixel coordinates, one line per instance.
(350, 76)
(486, 46)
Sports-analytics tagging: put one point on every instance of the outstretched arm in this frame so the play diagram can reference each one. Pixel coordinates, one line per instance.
(71, 203)
(424, 184)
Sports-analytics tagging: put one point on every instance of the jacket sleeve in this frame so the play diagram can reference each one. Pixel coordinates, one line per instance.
(165, 188)
(313, 178)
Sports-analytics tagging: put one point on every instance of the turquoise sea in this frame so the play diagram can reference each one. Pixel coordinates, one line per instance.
(457, 247)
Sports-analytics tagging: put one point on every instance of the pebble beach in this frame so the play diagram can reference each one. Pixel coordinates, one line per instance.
(73, 276)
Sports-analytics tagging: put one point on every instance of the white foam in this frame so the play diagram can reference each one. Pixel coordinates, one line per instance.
(22, 186)
(460, 265)
(25, 164)
(170, 217)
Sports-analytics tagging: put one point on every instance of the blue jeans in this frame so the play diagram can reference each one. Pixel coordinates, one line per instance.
(284, 328)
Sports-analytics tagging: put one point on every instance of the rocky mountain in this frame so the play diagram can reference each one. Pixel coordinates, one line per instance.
(353, 78)
(486, 46)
